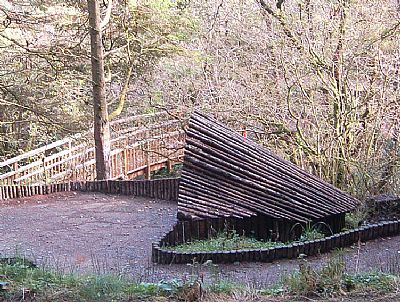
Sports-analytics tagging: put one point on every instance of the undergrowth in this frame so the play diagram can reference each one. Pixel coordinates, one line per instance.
(164, 173)
(332, 281)
(23, 281)
(224, 241)
(231, 240)
(312, 232)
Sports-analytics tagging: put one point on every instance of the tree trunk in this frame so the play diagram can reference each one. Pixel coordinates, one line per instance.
(101, 123)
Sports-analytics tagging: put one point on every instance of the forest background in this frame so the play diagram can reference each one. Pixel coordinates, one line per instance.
(316, 81)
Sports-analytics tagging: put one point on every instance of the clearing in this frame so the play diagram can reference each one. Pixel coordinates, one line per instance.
(95, 232)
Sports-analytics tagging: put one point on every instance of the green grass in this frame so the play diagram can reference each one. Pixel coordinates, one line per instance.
(311, 234)
(332, 281)
(224, 241)
(230, 240)
(29, 282)
(312, 231)
(355, 218)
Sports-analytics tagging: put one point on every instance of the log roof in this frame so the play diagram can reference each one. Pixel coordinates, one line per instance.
(225, 174)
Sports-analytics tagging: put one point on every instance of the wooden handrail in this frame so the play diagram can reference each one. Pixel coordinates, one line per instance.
(43, 169)
(141, 116)
(130, 148)
(34, 164)
(34, 152)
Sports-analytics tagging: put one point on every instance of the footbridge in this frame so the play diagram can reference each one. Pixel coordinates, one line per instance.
(139, 145)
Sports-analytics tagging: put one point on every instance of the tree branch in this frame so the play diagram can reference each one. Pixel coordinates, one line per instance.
(106, 19)
(122, 97)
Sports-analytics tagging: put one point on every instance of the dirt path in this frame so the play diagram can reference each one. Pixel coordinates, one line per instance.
(85, 232)
(94, 232)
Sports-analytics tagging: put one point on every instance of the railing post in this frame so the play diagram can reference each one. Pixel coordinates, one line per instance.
(15, 168)
(125, 161)
(169, 165)
(148, 165)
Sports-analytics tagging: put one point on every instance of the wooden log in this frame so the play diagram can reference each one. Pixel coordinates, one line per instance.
(255, 198)
(250, 202)
(225, 142)
(280, 188)
(6, 193)
(134, 188)
(19, 191)
(13, 191)
(216, 154)
(141, 188)
(200, 186)
(251, 146)
(167, 186)
(203, 198)
(131, 188)
(159, 190)
(206, 164)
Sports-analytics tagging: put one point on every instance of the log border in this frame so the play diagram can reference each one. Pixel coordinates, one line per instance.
(163, 188)
(185, 231)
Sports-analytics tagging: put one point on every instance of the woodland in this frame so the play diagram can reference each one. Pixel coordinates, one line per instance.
(316, 81)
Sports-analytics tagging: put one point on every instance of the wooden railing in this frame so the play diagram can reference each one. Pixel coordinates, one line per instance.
(139, 145)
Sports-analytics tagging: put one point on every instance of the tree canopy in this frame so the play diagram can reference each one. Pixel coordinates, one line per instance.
(317, 81)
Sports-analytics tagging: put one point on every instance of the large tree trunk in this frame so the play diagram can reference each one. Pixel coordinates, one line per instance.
(101, 123)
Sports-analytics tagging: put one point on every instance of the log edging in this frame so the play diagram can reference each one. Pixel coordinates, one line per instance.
(185, 231)
(9, 192)
(163, 188)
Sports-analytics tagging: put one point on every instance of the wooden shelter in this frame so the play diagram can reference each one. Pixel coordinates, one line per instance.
(227, 175)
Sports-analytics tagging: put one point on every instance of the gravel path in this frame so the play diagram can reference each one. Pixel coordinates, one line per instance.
(94, 232)
(85, 232)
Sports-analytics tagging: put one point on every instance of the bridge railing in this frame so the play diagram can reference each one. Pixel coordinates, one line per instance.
(139, 145)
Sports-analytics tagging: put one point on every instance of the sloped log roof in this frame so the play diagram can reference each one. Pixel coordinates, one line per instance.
(225, 174)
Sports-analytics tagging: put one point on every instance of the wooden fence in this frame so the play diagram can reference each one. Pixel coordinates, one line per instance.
(165, 188)
(139, 145)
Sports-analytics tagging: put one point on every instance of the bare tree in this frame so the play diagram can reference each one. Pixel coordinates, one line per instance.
(315, 80)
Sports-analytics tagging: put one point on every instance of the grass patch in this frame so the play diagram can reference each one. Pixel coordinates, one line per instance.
(224, 286)
(224, 241)
(28, 282)
(332, 281)
(231, 240)
(376, 282)
(311, 234)
(355, 218)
